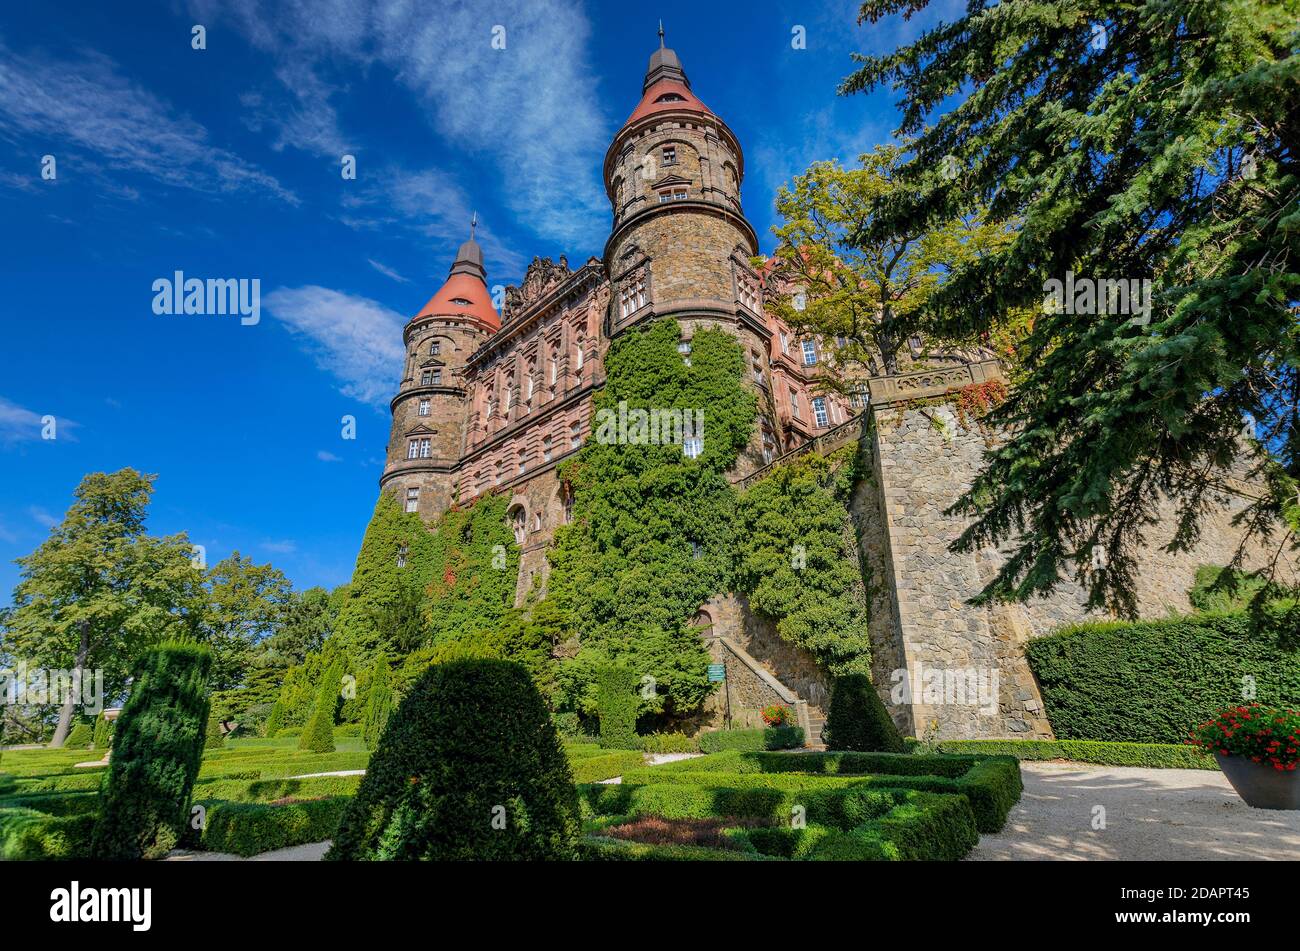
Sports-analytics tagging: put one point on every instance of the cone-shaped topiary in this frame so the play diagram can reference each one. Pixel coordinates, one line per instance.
(379, 704)
(213, 739)
(318, 734)
(858, 721)
(469, 767)
(103, 732)
(158, 745)
(80, 737)
(274, 720)
(616, 703)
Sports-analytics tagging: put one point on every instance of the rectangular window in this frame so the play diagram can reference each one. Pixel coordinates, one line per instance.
(794, 404)
(785, 342)
(575, 435)
(424, 407)
(670, 155)
(552, 373)
(692, 447)
(426, 450)
(523, 462)
(402, 550)
(435, 348)
(412, 499)
(530, 387)
(809, 352)
(684, 348)
(768, 452)
(578, 355)
(426, 377)
(413, 449)
(437, 378)
(546, 449)
(819, 411)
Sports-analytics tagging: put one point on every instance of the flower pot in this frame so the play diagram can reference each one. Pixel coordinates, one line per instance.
(1261, 786)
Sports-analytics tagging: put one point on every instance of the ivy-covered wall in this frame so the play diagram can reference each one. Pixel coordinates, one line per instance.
(653, 532)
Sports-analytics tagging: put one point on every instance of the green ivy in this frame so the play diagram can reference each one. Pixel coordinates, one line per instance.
(798, 559)
(653, 531)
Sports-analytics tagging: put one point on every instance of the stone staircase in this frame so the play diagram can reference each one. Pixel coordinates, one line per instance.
(816, 722)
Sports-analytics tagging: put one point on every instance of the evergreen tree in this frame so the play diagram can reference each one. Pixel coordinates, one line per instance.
(318, 734)
(145, 795)
(1131, 141)
(379, 705)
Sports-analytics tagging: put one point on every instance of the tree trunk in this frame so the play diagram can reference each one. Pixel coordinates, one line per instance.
(70, 701)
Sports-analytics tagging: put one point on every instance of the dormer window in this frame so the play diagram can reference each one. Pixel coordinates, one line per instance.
(461, 301)
(671, 97)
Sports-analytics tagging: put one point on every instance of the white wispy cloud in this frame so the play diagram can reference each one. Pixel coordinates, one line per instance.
(285, 547)
(7, 535)
(87, 104)
(20, 424)
(387, 271)
(356, 339)
(41, 517)
(530, 108)
(325, 456)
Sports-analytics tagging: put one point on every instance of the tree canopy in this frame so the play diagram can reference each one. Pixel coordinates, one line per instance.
(1138, 141)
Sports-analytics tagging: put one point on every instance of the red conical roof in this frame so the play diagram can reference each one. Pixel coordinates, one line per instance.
(667, 95)
(465, 291)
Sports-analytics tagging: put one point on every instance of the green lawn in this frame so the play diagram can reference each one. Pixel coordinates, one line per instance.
(252, 803)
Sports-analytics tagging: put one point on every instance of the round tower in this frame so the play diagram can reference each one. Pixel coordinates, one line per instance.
(680, 245)
(429, 410)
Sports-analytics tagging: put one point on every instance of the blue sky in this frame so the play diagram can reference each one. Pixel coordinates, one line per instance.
(225, 163)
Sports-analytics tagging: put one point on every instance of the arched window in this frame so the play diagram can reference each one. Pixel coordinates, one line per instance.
(519, 523)
(703, 621)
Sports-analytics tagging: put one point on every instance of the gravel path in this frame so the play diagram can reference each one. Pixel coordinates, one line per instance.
(1151, 814)
(311, 852)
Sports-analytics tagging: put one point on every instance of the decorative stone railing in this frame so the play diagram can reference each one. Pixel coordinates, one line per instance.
(828, 441)
(931, 382)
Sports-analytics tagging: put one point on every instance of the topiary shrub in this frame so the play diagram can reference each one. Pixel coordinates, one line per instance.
(616, 703)
(857, 719)
(156, 754)
(103, 732)
(379, 705)
(213, 738)
(80, 737)
(763, 738)
(274, 720)
(318, 734)
(469, 767)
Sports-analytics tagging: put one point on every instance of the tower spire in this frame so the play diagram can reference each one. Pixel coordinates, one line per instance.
(661, 34)
(473, 223)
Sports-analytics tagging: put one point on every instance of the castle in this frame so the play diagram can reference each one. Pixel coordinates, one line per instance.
(492, 402)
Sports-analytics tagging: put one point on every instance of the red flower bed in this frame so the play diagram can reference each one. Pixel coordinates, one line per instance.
(1266, 735)
(778, 715)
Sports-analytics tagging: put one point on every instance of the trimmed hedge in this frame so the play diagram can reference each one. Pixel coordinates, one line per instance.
(1150, 755)
(29, 835)
(602, 849)
(213, 738)
(318, 735)
(592, 769)
(103, 732)
(669, 743)
(269, 790)
(470, 767)
(1152, 681)
(616, 704)
(80, 737)
(247, 828)
(156, 755)
(857, 719)
(769, 738)
(991, 783)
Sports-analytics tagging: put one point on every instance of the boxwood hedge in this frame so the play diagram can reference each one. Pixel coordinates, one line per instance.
(1152, 681)
(769, 738)
(1150, 755)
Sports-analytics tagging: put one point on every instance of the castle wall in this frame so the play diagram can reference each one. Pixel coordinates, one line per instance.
(925, 459)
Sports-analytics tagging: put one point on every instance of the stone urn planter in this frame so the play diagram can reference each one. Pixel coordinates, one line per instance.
(1261, 786)
(1258, 748)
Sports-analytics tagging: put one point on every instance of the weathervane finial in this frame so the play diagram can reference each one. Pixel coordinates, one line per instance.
(473, 222)
(661, 34)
